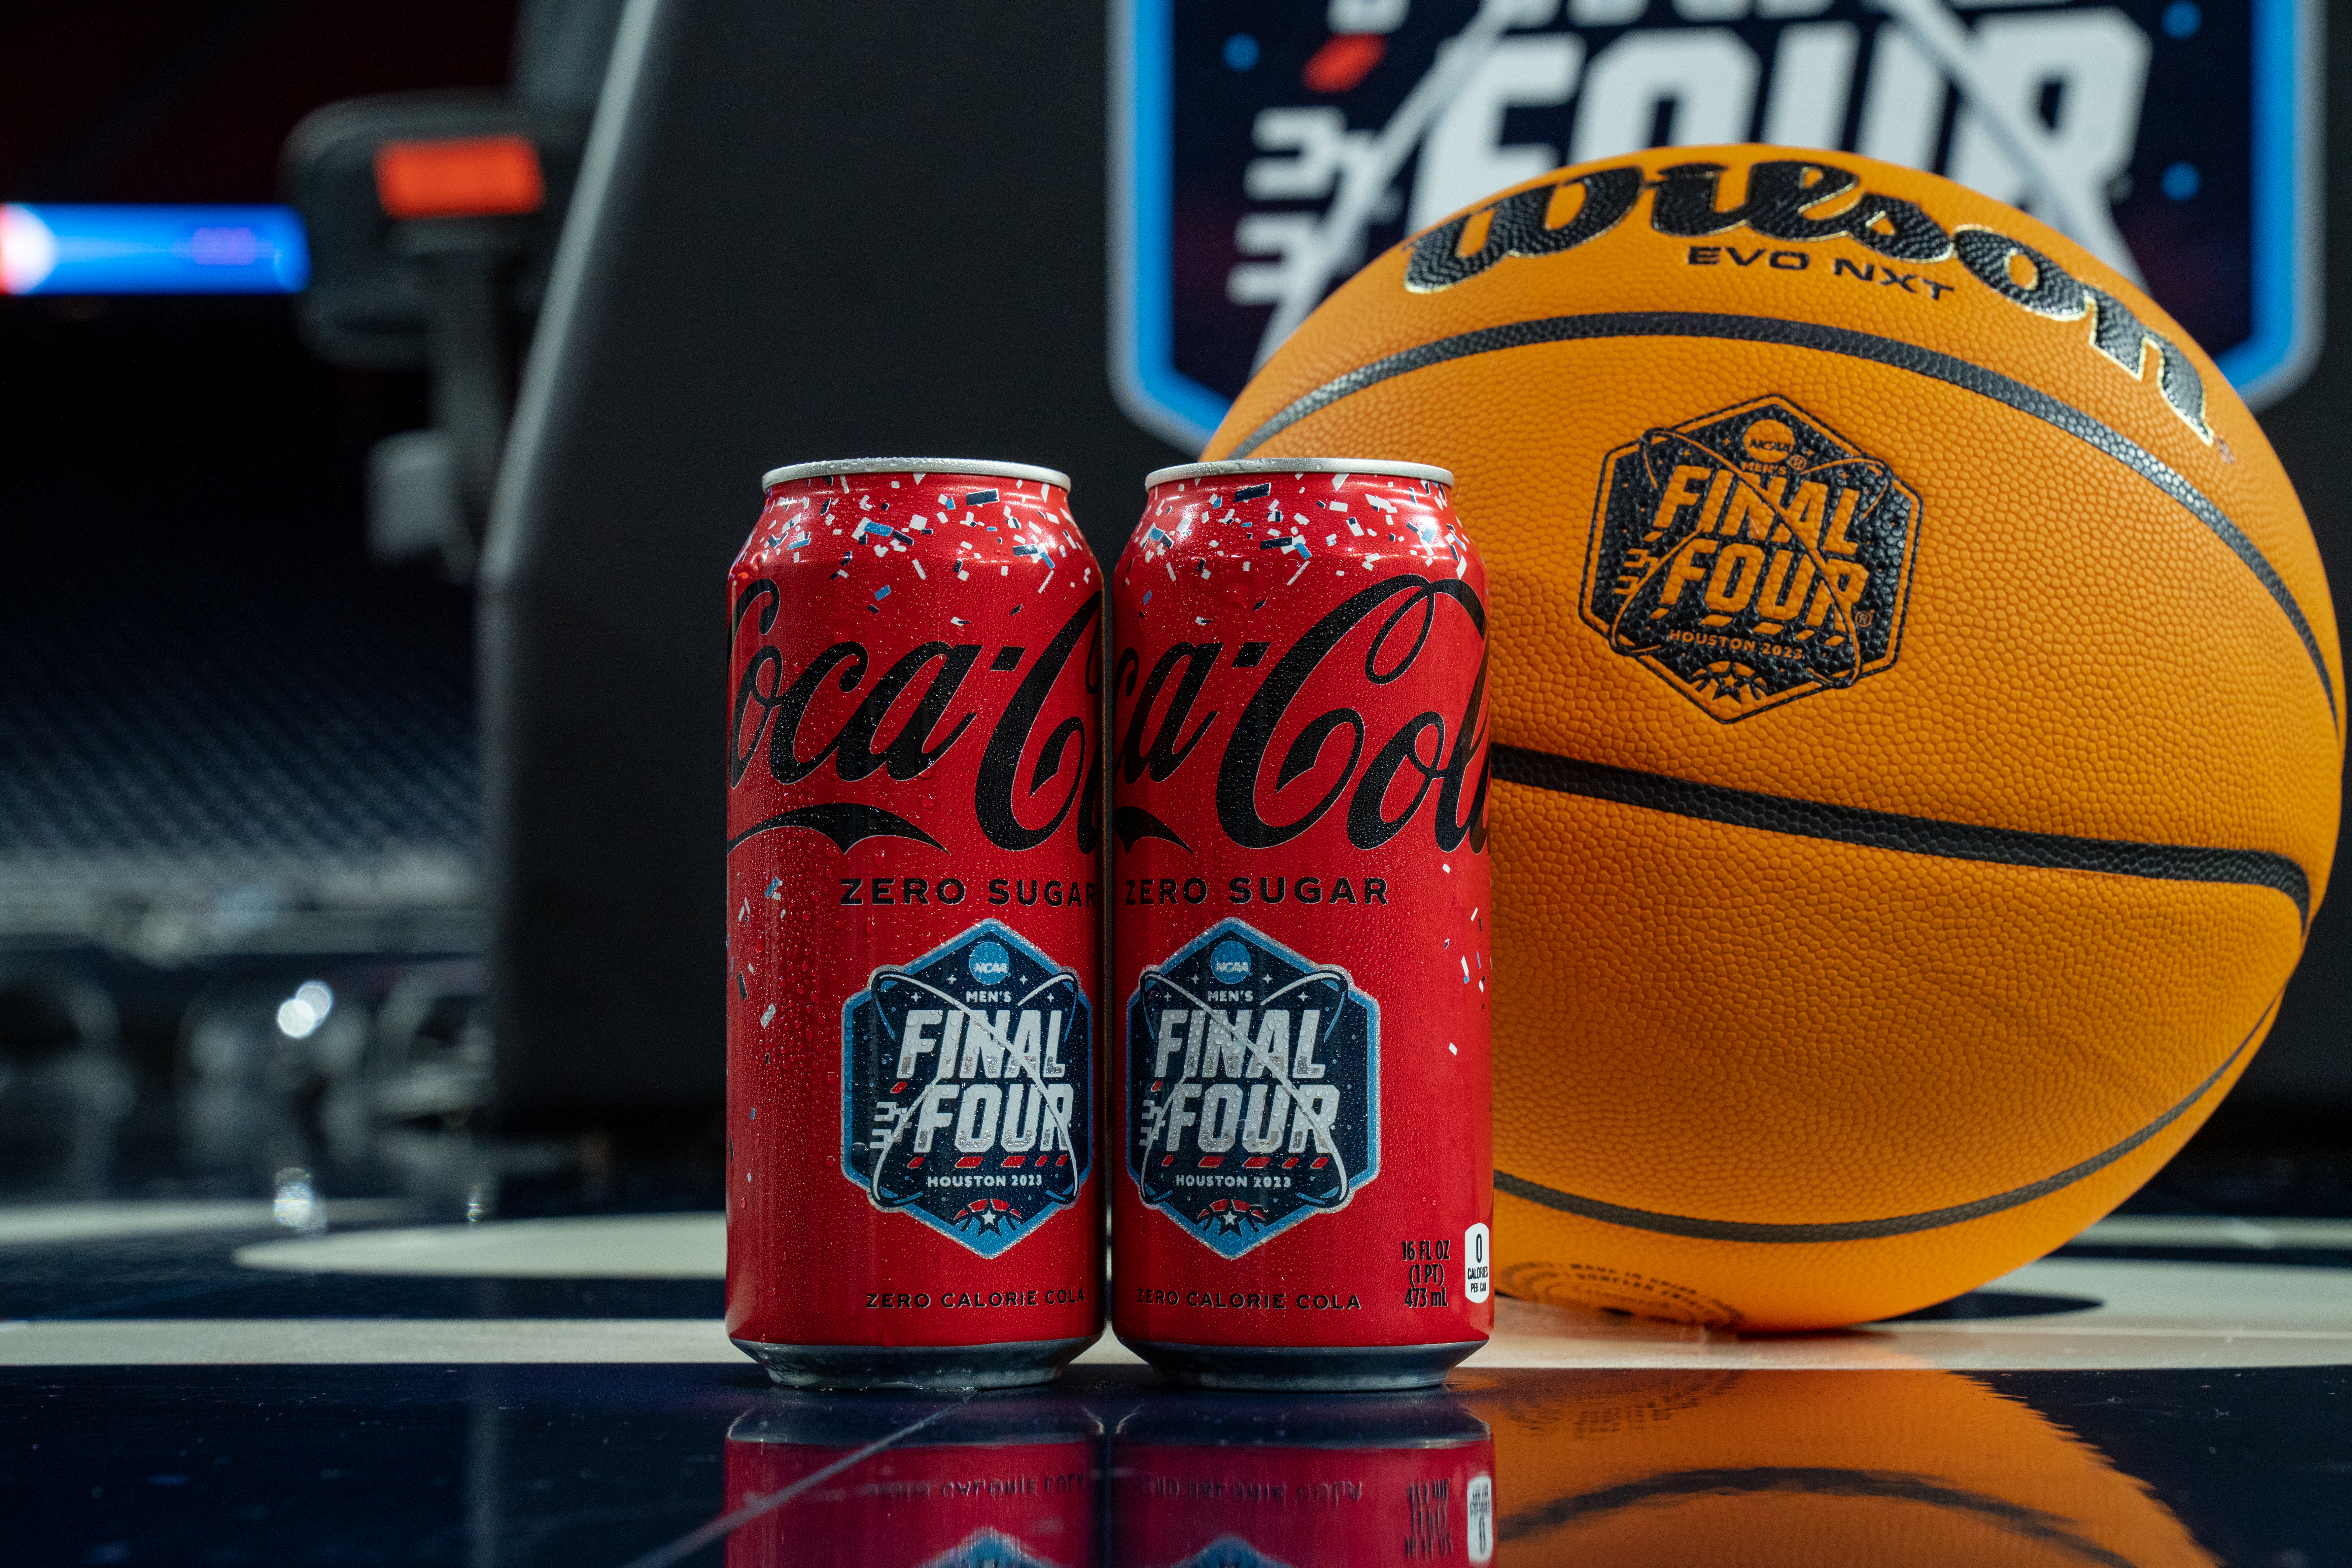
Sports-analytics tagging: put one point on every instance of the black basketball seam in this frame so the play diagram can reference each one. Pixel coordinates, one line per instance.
(1890, 352)
(2001, 1513)
(1865, 1229)
(1903, 833)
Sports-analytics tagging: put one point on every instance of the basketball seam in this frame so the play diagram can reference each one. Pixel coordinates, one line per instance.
(1903, 833)
(1890, 352)
(1865, 1229)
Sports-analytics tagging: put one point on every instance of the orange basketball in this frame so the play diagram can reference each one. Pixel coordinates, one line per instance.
(1919, 716)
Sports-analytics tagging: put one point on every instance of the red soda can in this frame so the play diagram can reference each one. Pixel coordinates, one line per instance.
(914, 821)
(1006, 1480)
(1299, 701)
(1355, 1481)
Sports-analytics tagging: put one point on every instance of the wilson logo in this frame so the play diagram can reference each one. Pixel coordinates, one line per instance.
(1804, 201)
(1783, 195)
(1751, 557)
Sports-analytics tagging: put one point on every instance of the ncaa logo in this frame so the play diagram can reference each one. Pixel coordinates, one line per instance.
(990, 964)
(1230, 962)
(1263, 154)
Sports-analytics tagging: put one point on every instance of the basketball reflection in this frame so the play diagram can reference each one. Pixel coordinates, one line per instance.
(1924, 1468)
(1001, 1481)
(1275, 1481)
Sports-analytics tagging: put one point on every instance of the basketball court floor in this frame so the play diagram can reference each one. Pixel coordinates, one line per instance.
(377, 1381)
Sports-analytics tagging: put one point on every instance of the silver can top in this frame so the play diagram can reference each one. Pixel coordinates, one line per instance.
(925, 466)
(1380, 466)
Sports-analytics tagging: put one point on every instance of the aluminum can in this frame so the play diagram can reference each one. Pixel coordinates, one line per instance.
(1001, 1481)
(914, 918)
(1300, 910)
(1357, 1480)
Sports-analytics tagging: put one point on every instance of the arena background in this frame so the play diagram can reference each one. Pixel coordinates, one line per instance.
(240, 747)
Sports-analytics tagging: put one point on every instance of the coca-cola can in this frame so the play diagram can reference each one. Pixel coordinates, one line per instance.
(914, 918)
(1300, 953)
(895, 1480)
(1359, 1480)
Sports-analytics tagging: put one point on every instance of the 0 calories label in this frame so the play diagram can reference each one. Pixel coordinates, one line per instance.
(1253, 1085)
(966, 1094)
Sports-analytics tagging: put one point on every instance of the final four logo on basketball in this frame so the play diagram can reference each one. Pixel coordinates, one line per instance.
(1751, 557)
(965, 1089)
(1252, 1085)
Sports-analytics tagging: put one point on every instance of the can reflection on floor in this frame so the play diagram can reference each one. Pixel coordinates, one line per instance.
(1001, 1481)
(1244, 1481)
(1596, 1468)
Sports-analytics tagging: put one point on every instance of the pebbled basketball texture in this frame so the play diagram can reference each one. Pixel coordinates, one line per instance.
(1918, 716)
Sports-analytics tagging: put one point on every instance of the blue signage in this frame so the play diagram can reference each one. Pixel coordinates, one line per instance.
(1264, 153)
(64, 248)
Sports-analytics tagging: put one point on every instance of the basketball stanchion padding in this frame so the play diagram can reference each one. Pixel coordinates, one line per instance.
(1919, 716)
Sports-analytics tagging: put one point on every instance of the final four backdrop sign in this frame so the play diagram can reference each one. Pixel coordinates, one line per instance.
(1266, 149)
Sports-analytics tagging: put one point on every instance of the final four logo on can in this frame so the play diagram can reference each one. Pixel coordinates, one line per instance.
(1253, 1088)
(965, 1089)
(1751, 557)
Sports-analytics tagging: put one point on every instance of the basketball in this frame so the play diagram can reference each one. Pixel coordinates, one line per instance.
(1918, 716)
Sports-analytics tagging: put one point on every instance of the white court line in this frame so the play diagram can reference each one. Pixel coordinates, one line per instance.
(32, 1225)
(586, 1246)
(694, 1246)
(470, 1341)
(2218, 1230)
(387, 1342)
(2154, 1315)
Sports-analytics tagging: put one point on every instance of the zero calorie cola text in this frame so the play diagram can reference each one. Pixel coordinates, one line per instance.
(914, 927)
(1300, 1062)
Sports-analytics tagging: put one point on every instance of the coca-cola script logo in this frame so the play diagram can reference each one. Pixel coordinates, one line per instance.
(1427, 755)
(1026, 787)
(1253, 1088)
(966, 1091)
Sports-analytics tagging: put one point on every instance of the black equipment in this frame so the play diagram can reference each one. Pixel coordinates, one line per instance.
(455, 291)
(801, 233)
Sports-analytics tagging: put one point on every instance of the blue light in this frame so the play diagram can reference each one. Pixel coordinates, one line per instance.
(2182, 18)
(2181, 181)
(1241, 52)
(48, 248)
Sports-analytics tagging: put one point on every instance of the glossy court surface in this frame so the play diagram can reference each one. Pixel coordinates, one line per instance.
(224, 1382)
